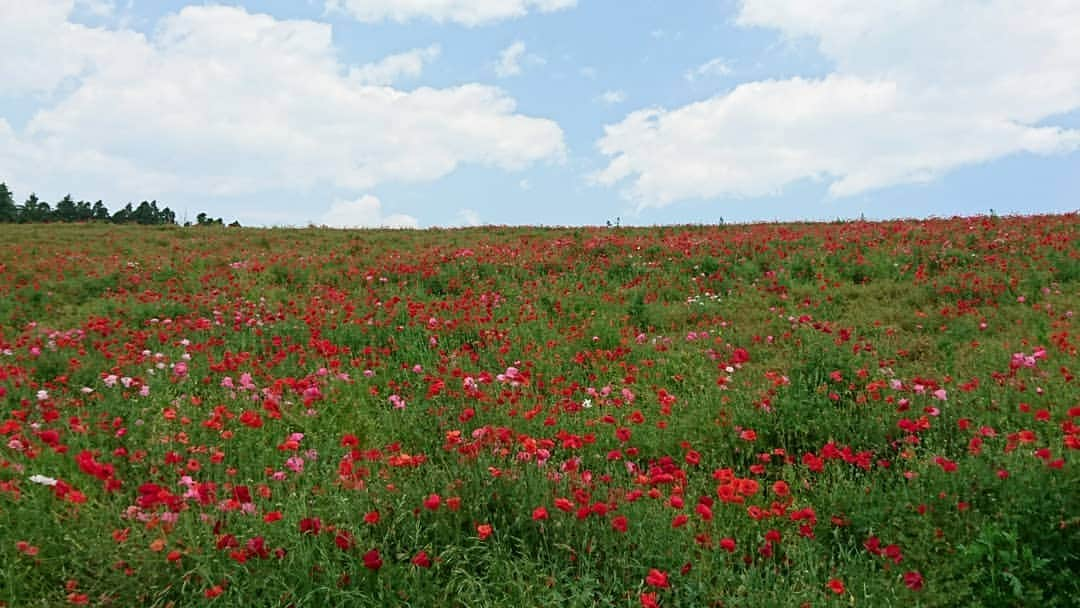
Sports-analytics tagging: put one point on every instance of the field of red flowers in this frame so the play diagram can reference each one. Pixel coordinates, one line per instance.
(855, 413)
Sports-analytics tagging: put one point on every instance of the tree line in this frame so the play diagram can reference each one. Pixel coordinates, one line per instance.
(67, 209)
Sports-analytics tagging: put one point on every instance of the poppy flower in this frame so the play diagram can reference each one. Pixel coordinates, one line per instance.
(913, 580)
(483, 531)
(619, 523)
(372, 560)
(657, 578)
(432, 502)
(836, 586)
(422, 560)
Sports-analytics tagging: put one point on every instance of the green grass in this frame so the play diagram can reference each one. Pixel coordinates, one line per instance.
(635, 403)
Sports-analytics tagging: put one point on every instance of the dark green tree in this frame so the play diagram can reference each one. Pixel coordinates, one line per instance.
(65, 210)
(124, 215)
(145, 214)
(100, 212)
(83, 211)
(34, 210)
(8, 211)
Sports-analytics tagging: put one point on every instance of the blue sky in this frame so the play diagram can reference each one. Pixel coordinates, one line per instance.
(555, 112)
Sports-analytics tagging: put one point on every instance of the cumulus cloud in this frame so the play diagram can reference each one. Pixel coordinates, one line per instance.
(365, 212)
(468, 217)
(388, 70)
(612, 97)
(919, 89)
(221, 101)
(509, 63)
(464, 12)
(712, 68)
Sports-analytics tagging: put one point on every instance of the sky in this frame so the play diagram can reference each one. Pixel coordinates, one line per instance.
(425, 113)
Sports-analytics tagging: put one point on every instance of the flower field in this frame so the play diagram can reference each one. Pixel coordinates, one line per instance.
(845, 414)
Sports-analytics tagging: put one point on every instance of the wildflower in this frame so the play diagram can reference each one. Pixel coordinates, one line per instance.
(422, 560)
(295, 464)
(43, 480)
(913, 580)
(483, 531)
(372, 560)
(620, 523)
(26, 548)
(432, 502)
(214, 591)
(836, 586)
(539, 513)
(657, 578)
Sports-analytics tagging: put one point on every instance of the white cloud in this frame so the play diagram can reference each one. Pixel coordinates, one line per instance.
(40, 48)
(509, 63)
(365, 212)
(389, 69)
(465, 12)
(612, 97)
(221, 102)
(971, 84)
(468, 217)
(712, 68)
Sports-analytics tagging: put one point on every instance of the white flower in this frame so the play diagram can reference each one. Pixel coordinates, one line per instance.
(586, 403)
(43, 480)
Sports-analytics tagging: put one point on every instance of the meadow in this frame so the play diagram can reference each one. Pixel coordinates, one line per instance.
(818, 414)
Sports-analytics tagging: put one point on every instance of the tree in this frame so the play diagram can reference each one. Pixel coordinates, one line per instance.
(65, 209)
(8, 211)
(100, 212)
(145, 214)
(123, 216)
(34, 210)
(83, 211)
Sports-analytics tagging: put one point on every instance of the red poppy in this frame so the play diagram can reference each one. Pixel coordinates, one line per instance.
(310, 525)
(422, 560)
(344, 540)
(913, 580)
(214, 591)
(483, 531)
(657, 578)
(836, 586)
(619, 523)
(432, 502)
(372, 560)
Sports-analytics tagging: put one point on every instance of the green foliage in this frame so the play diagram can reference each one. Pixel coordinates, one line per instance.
(886, 374)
